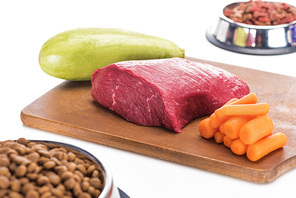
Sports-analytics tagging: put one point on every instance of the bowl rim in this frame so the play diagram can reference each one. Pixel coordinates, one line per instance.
(261, 27)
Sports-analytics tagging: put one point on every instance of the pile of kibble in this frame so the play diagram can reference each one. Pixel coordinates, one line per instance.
(261, 13)
(34, 169)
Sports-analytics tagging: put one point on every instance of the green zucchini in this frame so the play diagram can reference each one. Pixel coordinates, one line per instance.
(75, 54)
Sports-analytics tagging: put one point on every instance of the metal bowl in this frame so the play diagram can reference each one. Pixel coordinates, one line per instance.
(109, 190)
(252, 39)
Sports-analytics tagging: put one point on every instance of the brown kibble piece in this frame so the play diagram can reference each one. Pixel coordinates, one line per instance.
(32, 176)
(13, 194)
(90, 169)
(4, 170)
(66, 175)
(95, 182)
(71, 166)
(32, 167)
(82, 168)
(21, 170)
(91, 190)
(95, 173)
(57, 192)
(4, 161)
(69, 183)
(77, 189)
(44, 153)
(84, 195)
(4, 182)
(32, 194)
(85, 185)
(43, 189)
(16, 185)
(71, 156)
(42, 180)
(60, 169)
(33, 157)
(46, 194)
(49, 165)
(54, 179)
(22, 141)
(27, 187)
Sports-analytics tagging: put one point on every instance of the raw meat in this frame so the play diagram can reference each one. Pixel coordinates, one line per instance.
(164, 92)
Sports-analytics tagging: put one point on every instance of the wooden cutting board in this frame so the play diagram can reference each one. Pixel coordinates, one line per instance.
(68, 109)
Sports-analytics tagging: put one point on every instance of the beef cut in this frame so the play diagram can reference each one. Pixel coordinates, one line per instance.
(164, 92)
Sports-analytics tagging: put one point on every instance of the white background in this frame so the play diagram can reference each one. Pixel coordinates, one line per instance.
(26, 25)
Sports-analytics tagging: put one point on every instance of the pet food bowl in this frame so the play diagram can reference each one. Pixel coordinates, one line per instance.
(109, 190)
(252, 39)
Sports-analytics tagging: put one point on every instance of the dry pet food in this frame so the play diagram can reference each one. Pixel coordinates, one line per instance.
(261, 13)
(42, 170)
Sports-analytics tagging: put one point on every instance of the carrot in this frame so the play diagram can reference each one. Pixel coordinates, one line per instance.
(232, 100)
(206, 130)
(232, 126)
(238, 147)
(251, 98)
(221, 127)
(227, 141)
(265, 146)
(215, 121)
(243, 109)
(219, 136)
(217, 118)
(256, 129)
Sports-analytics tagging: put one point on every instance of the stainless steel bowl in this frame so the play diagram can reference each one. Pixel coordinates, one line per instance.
(252, 39)
(109, 190)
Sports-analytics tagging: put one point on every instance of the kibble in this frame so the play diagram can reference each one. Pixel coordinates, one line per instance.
(42, 170)
(261, 13)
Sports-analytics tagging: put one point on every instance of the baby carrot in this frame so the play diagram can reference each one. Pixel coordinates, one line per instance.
(227, 141)
(265, 146)
(238, 147)
(231, 101)
(256, 129)
(243, 109)
(219, 136)
(233, 125)
(215, 121)
(206, 130)
(251, 98)
(221, 127)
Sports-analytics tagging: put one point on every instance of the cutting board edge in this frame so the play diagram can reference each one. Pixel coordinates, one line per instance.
(200, 162)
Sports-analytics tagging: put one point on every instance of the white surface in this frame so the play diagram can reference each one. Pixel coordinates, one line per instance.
(26, 25)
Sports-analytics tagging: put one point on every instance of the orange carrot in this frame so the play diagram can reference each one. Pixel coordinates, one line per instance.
(238, 147)
(256, 129)
(221, 127)
(265, 146)
(227, 141)
(217, 118)
(251, 98)
(219, 136)
(216, 121)
(232, 100)
(233, 125)
(243, 109)
(206, 130)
